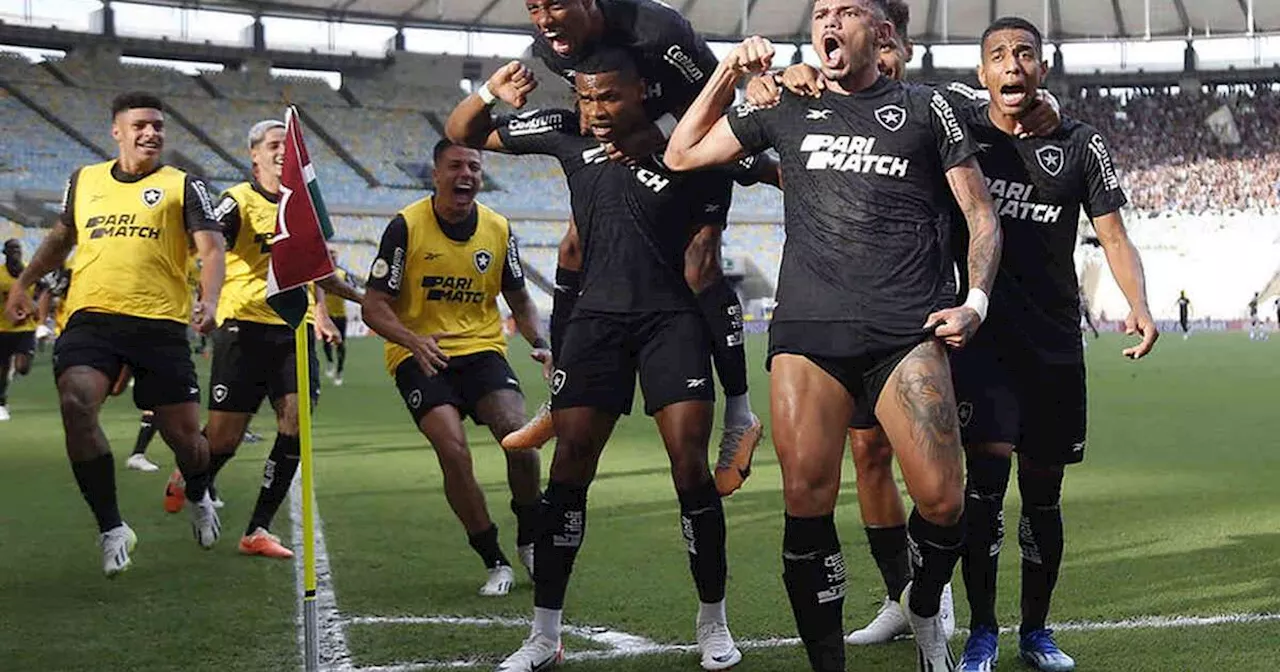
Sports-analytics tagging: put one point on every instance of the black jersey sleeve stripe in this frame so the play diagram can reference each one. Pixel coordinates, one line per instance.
(197, 207)
(512, 269)
(68, 215)
(387, 272)
(228, 215)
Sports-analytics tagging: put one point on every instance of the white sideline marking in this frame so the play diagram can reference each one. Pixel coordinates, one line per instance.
(335, 655)
(624, 645)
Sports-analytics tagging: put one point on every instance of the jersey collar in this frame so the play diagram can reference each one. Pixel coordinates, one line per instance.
(120, 176)
(274, 198)
(460, 231)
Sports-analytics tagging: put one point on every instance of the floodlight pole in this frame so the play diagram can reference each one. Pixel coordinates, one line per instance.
(1249, 28)
(746, 15)
(1146, 6)
(946, 21)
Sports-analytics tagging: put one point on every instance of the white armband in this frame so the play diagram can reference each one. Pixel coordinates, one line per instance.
(486, 95)
(978, 301)
(667, 124)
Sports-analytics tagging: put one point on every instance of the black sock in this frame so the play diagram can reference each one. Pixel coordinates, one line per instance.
(702, 523)
(328, 352)
(277, 476)
(722, 312)
(988, 480)
(562, 302)
(1040, 535)
(889, 549)
(146, 432)
(562, 525)
(485, 544)
(526, 522)
(97, 481)
(4, 382)
(814, 574)
(342, 356)
(936, 550)
(216, 463)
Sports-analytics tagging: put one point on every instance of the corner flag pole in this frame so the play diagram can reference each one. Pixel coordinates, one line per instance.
(311, 631)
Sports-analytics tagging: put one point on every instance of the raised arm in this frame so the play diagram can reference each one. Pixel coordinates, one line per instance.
(471, 122)
(703, 137)
(1126, 268)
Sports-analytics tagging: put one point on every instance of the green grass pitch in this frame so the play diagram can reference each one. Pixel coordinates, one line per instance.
(1174, 513)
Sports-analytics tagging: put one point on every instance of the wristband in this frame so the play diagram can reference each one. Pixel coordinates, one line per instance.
(486, 95)
(978, 301)
(540, 343)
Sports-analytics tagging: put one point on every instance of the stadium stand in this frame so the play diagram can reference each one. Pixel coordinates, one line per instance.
(1196, 200)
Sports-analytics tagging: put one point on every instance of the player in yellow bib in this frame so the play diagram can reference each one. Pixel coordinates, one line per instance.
(17, 338)
(253, 347)
(337, 307)
(133, 223)
(433, 295)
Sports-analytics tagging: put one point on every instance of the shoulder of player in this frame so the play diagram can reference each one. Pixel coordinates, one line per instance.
(487, 216)
(641, 23)
(1077, 131)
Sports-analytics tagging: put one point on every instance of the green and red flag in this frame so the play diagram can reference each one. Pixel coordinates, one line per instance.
(299, 250)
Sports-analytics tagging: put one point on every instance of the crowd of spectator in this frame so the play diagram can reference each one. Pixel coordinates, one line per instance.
(1170, 160)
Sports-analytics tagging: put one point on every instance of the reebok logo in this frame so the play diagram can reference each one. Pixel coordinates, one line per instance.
(695, 383)
(818, 115)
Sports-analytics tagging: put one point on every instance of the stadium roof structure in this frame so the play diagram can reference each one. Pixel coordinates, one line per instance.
(933, 21)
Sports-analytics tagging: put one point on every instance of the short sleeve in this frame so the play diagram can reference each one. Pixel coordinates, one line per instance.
(197, 208)
(1101, 179)
(955, 144)
(68, 213)
(227, 213)
(537, 131)
(752, 126)
(512, 269)
(387, 273)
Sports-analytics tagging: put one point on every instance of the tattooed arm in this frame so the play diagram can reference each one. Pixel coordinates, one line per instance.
(956, 326)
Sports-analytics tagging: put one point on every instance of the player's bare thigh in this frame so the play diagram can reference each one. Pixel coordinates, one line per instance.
(917, 409)
(702, 258)
(811, 412)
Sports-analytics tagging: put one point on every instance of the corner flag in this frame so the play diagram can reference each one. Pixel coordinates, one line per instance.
(299, 257)
(298, 252)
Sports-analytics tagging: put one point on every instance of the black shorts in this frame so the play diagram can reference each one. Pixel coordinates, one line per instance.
(467, 380)
(864, 376)
(254, 361)
(603, 352)
(17, 343)
(1006, 394)
(156, 350)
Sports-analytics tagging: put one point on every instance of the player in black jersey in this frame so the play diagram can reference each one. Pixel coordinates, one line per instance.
(866, 165)
(1184, 314)
(1021, 383)
(674, 61)
(635, 314)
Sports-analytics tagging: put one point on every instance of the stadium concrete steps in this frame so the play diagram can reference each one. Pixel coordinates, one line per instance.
(52, 118)
(338, 148)
(211, 143)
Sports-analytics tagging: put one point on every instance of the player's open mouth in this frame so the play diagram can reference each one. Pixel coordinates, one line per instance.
(149, 146)
(1013, 95)
(558, 42)
(832, 52)
(464, 190)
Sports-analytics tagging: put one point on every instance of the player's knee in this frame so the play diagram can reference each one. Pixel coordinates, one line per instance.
(454, 457)
(810, 492)
(872, 455)
(688, 472)
(1040, 485)
(22, 365)
(941, 505)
